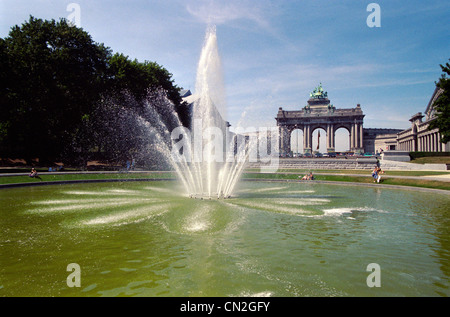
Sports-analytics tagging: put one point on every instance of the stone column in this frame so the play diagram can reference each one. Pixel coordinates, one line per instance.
(280, 140)
(352, 138)
(288, 140)
(357, 144)
(310, 139)
(284, 140)
(433, 142)
(333, 138)
(438, 142)
(429, 142)
(361, 137)
(328, 137)
(307, 139)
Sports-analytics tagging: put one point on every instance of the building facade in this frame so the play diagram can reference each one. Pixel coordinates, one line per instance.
(419, 137)
(378, 140)
(320, 113)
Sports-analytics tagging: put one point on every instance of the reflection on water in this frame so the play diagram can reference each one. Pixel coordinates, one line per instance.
(293, 239)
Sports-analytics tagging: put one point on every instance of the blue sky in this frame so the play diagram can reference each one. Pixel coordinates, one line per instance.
(274, 53)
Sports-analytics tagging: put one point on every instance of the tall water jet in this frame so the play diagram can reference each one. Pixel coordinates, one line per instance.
(212, 160)
(209, 86)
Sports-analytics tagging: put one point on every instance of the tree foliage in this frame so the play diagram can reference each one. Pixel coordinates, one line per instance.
(53, 78)
(442, 106)
(55, 73)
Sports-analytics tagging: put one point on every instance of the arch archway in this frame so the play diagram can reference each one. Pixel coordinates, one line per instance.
(320, 113)
(297, 146)
(319, 140)
(342, 139)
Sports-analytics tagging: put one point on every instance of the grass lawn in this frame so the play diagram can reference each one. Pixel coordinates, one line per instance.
(361, 172)
(354, 179)
(69, 177)
(432, 160)
(355, 176)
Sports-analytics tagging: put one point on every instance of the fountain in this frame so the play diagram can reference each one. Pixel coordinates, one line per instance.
(270, 239)
(284, 239)
(210, 159)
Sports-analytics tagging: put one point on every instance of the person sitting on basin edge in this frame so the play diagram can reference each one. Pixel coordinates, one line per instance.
(34, 174)
(308, 177)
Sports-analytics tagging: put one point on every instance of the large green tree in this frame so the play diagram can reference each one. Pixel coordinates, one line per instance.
(442, 106)
(138, 78)
(54, 81)
(4, 74)
(136, 93)
(56, 72)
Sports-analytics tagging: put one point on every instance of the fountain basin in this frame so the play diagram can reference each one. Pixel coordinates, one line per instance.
(269, 239)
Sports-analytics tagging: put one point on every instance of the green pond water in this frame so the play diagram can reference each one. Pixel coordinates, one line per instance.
(269, 239)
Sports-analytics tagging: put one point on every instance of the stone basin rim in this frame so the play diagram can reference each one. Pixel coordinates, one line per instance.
(384, 186)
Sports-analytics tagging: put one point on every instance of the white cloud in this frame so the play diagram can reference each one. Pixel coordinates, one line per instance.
(221, 12)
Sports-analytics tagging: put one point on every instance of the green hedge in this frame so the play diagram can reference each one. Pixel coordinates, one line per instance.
(415, 155)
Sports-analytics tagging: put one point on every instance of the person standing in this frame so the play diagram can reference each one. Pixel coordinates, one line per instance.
(379, 172)
(375, 173)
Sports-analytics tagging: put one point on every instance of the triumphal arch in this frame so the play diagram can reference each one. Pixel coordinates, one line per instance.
(320, 113)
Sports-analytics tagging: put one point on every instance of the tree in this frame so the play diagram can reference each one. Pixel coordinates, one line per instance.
(124, 128)
(4, 74)
(137, 79)
(442, 106)
(54, 83)
(56, 72)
